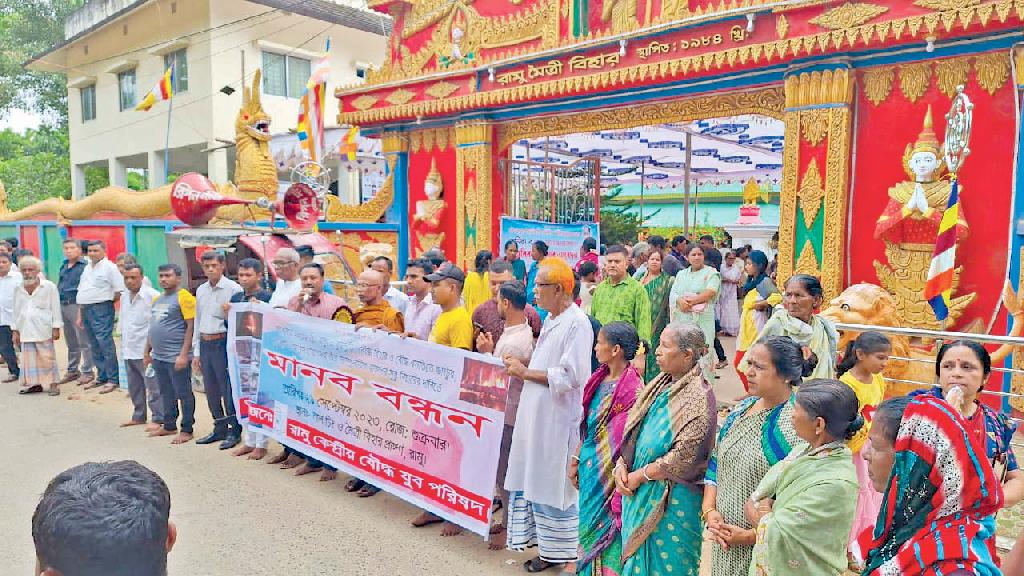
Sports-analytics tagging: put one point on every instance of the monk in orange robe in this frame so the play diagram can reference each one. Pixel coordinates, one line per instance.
(376, 312)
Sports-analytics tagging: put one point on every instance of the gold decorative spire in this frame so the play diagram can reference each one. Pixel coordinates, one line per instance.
(434, 176)
(926, 140)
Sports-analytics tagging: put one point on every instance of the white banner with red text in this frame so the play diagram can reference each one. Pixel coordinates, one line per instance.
(419, 420)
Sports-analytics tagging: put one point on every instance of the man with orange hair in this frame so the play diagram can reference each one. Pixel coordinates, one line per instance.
(543, 508)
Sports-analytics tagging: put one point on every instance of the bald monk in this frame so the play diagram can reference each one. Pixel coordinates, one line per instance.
(376, 311)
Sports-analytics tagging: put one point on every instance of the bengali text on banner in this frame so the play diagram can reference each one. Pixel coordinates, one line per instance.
(419, 420)
(563, 240)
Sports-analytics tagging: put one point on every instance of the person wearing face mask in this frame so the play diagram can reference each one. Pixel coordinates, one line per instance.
(37, 323)
(962, 368)
(798, 319)
(940, 494)
(756, 435)
(803, 508)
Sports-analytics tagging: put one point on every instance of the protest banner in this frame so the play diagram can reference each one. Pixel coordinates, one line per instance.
(422, 421)
(563, 240)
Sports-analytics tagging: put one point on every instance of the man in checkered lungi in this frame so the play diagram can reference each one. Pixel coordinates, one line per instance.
(37, 324)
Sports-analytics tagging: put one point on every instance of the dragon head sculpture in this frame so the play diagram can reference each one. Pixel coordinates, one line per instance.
(869, 304)
(252, 121)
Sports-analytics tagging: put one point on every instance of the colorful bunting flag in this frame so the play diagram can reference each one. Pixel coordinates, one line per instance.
(163, 90)
(350, 143)
(310, 128)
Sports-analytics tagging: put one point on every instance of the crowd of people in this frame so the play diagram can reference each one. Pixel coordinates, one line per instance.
(615, 458)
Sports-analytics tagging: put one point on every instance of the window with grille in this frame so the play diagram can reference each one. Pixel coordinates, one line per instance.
(88, 95)
(178, 60)
(284, 75)
(126, 88)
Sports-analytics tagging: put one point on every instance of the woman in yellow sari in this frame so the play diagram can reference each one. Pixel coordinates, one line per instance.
(761, 297)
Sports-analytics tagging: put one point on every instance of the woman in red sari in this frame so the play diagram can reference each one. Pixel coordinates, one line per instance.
(940, 494)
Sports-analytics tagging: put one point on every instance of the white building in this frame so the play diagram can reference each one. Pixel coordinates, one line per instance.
(115, 51)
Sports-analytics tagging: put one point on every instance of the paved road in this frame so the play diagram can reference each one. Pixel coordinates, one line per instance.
(234, 516)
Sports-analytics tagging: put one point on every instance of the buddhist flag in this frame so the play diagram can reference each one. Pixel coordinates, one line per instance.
(310, 126)
(163, 90)
(350, 143)
(938, 290)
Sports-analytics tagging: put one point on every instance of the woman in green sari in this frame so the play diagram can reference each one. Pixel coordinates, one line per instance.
(693, 295)
(658, 285)
(607, 398)
(665, 450)
(802, 510)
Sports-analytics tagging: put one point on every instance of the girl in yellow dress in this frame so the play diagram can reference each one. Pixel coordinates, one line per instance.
(861, 369)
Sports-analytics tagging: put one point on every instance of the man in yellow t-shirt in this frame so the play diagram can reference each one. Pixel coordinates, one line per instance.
(454, 328)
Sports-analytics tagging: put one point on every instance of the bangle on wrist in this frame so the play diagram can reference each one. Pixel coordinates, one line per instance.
(574, 457)
(704, 513)
(646, 477)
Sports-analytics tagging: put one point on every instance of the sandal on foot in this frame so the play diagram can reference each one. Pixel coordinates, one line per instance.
(354, 485)
(31, 390)
(538, 565)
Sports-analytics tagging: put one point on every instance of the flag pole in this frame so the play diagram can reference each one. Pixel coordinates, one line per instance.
(167, 137)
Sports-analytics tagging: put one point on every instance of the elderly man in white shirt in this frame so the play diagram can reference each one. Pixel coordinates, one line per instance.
(10, 279)
(286, 266)
(133, 323)
(543, 508)
(101, 285)
(37, 324)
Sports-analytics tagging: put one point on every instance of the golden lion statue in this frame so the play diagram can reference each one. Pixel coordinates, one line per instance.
(871, 304)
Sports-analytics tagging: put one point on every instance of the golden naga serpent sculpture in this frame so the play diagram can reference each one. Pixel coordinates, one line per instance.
(255, 174)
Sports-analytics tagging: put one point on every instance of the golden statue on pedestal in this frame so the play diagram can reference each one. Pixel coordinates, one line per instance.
(426, 222)
(909, 226)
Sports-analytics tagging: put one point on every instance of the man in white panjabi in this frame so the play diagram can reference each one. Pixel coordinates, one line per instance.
(543, 509)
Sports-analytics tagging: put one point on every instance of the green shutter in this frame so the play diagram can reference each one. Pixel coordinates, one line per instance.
(52, 252)
(150, 249)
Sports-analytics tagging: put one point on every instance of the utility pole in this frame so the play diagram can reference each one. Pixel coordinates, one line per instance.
(686, 184)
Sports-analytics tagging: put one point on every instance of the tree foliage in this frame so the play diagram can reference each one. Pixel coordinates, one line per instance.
(27, 28)
(35, 166)
(618, 225)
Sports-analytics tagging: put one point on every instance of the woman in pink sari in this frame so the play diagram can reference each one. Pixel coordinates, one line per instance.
(607, 398)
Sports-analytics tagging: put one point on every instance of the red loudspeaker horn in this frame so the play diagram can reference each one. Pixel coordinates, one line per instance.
(300, 206)
(195, 199)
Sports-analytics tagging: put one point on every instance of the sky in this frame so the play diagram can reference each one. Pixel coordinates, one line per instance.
(19, 121)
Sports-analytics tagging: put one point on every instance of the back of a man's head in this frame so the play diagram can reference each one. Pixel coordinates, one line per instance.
(104, 519)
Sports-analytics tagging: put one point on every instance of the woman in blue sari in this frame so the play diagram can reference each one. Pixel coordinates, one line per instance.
(665, 451)
(607, 398)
